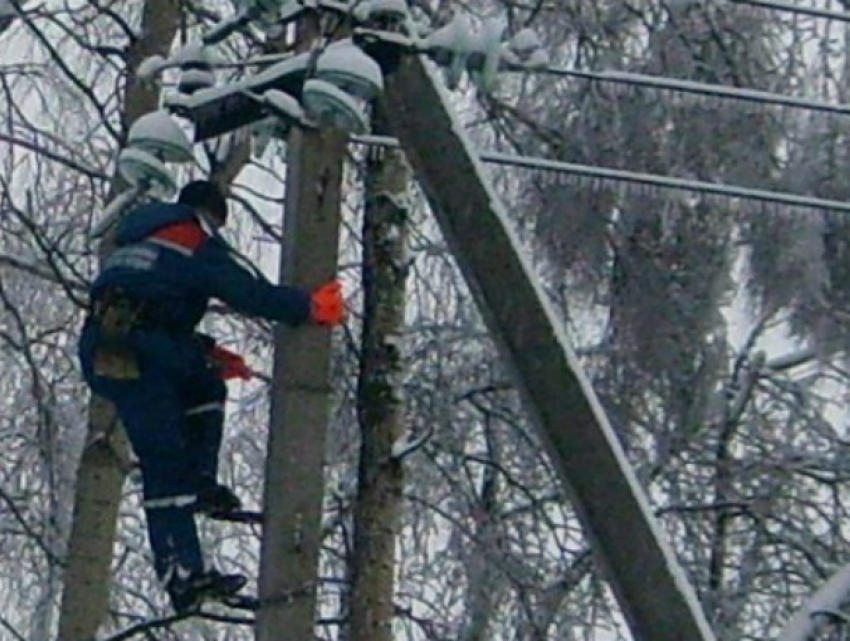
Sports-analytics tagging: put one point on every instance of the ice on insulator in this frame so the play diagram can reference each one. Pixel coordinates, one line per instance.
(283, 105)
(488, 42)
(525, 42)
(159, 134)
(150, 66)
(456, 38)
(492, 29)
(142, 169)
(528, 49)
(332, 107)
(348, 67)
(537, 60)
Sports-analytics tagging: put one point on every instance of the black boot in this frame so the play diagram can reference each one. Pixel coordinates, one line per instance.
(216, 501)
(211, 585)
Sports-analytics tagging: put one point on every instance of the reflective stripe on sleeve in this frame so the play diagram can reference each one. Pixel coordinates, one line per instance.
(181, 500)
(206, 407)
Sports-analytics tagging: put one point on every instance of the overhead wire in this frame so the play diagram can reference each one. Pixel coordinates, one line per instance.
(651, 180)
(790, 7)
(684, 86)
(701, 88)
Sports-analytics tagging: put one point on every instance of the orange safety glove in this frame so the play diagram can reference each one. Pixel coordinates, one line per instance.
(328, 307)
(230, 364)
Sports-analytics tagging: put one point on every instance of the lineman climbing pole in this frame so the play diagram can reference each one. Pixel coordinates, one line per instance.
(653, 593)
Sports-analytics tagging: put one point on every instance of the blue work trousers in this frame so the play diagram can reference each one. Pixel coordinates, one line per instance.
(173, 414)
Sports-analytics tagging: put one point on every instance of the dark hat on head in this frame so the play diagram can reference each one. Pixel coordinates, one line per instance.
(203, 194)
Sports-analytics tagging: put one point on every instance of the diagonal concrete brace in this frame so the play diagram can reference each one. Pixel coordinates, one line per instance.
(654, 594)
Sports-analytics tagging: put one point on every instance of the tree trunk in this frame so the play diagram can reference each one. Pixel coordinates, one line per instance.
(103, 466)
(379, 404)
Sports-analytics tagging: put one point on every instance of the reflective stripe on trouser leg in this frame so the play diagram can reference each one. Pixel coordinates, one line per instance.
(181, 500)
(152, 413)
(174, 539)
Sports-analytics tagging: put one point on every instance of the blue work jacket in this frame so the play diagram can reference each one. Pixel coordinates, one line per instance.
(164, 255)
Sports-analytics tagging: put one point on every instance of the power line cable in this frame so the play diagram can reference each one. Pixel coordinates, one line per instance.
(650, 180)
(476, 61)
(791, 7)
(689, 86)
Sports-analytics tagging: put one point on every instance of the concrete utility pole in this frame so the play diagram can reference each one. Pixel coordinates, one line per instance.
(301, 394)
(655, 597)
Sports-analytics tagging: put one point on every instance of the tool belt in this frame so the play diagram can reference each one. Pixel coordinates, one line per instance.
(117, 315)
